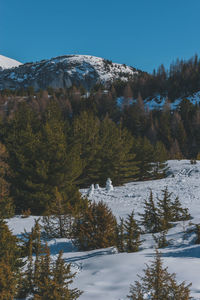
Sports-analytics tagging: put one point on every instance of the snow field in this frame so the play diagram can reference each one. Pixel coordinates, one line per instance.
(106, 274)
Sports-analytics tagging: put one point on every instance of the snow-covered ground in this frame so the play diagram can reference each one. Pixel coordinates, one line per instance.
(105, 274)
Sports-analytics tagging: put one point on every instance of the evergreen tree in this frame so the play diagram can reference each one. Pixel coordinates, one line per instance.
(165, 209)
(157, 284)
(6, 202)
(10, 252)
(10, 263)
(161, 240)
(120, 238)
(8, 282)
(62, 277)
(58, 221)
(95, 228)
(144, 158)
(33, 240)
(150, 219)
(112, 155)
(132, 234)
(179, 213)
(160, 165)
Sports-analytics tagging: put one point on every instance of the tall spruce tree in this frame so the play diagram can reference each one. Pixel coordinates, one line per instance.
(120, 238)
(165, 209)
(132, 234)
(10, 263)
(150, 219)
(157, 283)
(144, 158)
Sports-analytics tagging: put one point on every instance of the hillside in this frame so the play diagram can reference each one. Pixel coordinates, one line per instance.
(65, 71)
(106, 274)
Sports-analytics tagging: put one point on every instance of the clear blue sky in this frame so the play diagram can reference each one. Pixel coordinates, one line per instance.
(141, 33)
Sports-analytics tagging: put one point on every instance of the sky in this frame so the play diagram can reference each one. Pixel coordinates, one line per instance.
(140, 33)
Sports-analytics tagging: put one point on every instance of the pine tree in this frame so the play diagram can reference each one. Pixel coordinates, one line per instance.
(8, 282)
(179, 213)
(160, 165)
(120, 239)
(95, 228)
(10, 263)
(157, 284)
(161, 240)
(144, 158)
(33, 240)
(132, 234)
(57, 223)
(62, 277)
(10, 251)
(150, 219)
(6, 202)
(165, 209)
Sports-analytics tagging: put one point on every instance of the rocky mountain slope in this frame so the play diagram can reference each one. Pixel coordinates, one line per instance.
(65, 71)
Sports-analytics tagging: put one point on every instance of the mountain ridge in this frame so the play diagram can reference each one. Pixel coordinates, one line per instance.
(64, 72)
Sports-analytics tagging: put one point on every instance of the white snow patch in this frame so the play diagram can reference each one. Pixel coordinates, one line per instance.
(8, 63)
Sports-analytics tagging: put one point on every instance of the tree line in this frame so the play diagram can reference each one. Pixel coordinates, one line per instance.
(43, 156)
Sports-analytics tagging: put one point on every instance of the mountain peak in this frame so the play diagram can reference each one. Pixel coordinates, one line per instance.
(8, 63)
(65, 71)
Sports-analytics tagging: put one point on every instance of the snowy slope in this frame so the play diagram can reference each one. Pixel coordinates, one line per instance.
(105, 274)
(8, 63)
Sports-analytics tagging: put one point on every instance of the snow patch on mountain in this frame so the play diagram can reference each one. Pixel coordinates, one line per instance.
(8, 63)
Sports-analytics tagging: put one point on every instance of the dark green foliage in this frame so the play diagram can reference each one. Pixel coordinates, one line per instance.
(120, 238)
(179, 213)
(32, 240)
(158, 284)
(132, 234)
(59, 218)
(158, 217)
(165, 209)
(10, 263)
(161, 240)
(10, 252)
(6, 202)
(41, 159)
(171, 211)
(144, 158)
(160, 167)
(106, 150)
(45, 280)
(128, 235)
(95, 228)
(151, 219)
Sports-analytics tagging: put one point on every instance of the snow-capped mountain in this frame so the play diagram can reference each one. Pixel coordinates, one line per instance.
(65, 71)
(8, 63)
